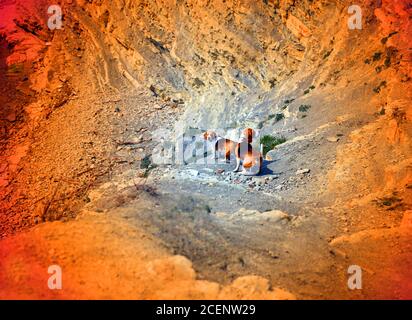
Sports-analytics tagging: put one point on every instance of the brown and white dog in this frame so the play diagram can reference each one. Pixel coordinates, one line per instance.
(224, 145)
(251, 160)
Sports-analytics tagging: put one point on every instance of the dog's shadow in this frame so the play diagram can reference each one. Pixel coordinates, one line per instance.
(266, 171)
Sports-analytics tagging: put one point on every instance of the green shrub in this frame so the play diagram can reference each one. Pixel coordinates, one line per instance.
(304, 108)
(277, 117)
(270, 142)
(146, 162)
(147, 165)
(308, 90)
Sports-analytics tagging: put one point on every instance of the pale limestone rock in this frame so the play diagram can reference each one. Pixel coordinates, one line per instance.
(271, 155)
(274, 215)
(302, 171)
(332, 139)
(297, 27)
(253, 287)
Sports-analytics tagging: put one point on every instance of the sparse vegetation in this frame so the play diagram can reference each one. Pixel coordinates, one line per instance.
(197, 83)
(287, 103)
(278, 117)
(304, 107)
(377, 56)
(308, 90)
(391, 202)
(270, 142)
(147, 164)
(272, 83)
(387, 62)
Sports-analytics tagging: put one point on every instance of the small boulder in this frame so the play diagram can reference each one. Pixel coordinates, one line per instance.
(332, 139)
(302, 171)
(193, 172)
(275, 215)
(253, 287)
(271, 155)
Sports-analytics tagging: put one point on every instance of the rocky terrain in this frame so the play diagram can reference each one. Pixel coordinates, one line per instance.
(87, 110)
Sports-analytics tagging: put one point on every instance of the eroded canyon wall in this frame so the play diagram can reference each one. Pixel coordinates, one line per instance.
(229, 64)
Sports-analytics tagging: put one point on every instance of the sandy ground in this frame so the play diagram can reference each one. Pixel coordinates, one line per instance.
(102, 257)
(132, 244)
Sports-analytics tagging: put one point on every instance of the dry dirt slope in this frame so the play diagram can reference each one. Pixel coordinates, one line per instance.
(100, 87)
